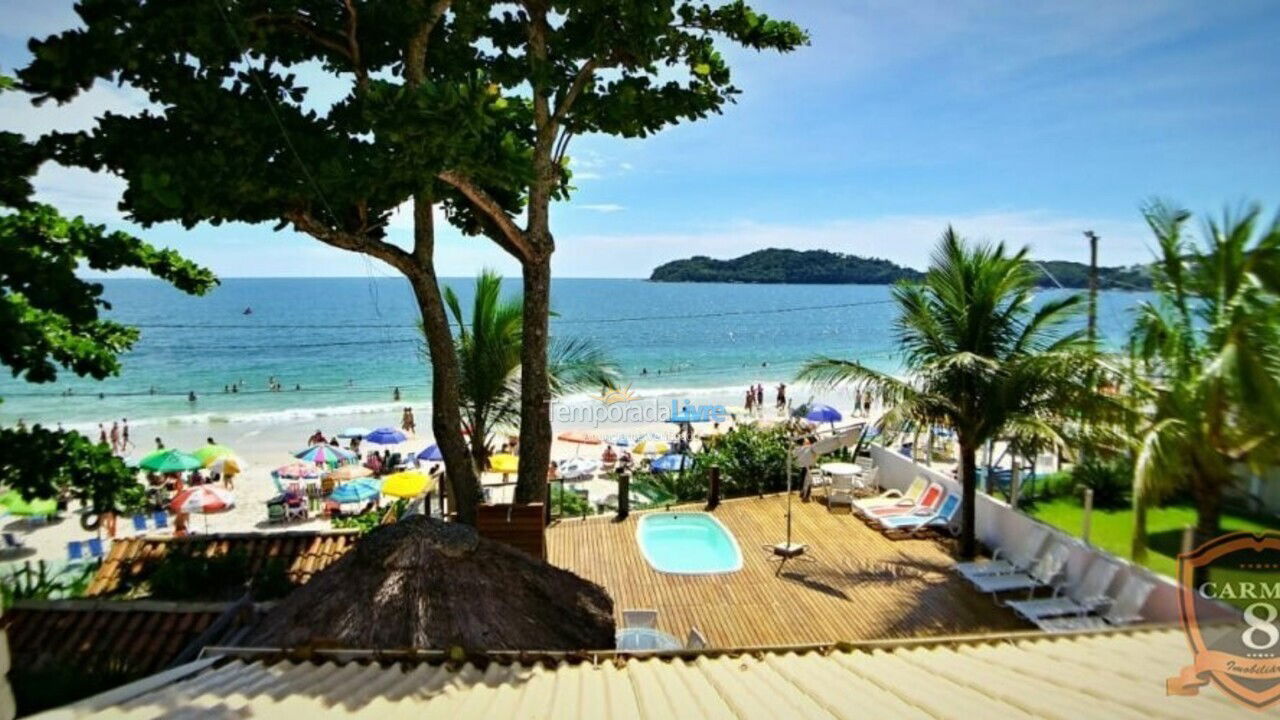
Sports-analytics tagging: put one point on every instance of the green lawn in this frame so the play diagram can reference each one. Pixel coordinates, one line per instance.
(1112, 529)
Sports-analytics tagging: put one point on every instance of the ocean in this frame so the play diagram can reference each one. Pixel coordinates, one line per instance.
(341, 346)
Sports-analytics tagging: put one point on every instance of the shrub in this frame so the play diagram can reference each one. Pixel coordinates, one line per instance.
(1110, 478)
(191, 575)
(567, 503)
(669, 487)
(751, 460)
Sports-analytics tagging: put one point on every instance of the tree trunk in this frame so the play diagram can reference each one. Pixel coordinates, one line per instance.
(969, 484)
(1138, 544)
(1208, 520)
(479, 452)
(535, 388)
(446, 413)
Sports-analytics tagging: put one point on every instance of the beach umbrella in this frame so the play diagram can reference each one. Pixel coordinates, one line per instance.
(297, 471)
(385, 436)
(578, 468)
(227, 465)
(651, 447)
(406, 484)
(354, 432)
(330, 455)
(356, 491)
(580, 438)
(203, 499)
(137, 462)
(349, 472)
(504, 463)
(431, 454)
(170, 461)
(619, 440)
(820, 413)
(208, 453)
(671, 463)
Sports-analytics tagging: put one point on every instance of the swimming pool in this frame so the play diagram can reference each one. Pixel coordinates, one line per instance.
(688, 544)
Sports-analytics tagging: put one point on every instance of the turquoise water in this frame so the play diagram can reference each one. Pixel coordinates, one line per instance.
(345, 344)
(687, 543)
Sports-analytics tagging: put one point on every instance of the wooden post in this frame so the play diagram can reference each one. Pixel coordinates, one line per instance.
(1086, 523)
(546, 502)
(624, 495)
(713, 490)
(1188, 539)
(1015, 480)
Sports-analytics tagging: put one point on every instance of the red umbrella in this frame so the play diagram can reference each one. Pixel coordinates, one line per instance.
(203, 499)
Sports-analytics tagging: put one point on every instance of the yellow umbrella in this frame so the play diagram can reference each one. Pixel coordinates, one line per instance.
(406, 484)
(504, 463)
(651, 447)
(350, 472)
(226, 465)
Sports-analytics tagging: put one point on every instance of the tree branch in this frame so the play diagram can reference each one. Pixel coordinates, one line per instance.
(305, 222)
(564, 104)
(303, 26)
(415, 63)
(353, 46)
(511, 237)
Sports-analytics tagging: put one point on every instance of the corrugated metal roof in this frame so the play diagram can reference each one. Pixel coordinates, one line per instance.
(304, 553)
(1117, 675)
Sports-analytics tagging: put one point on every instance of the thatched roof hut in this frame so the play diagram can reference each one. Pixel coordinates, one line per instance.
(423, 583)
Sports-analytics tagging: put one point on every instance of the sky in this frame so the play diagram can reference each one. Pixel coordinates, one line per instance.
(1024, 122)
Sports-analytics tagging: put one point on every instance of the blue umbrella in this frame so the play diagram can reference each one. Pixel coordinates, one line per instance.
(823, 414)
(357, 491)
(619, 440)
(431, 454)
(671, 462)
(385, 436)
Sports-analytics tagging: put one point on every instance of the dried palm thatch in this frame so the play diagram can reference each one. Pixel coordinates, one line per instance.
(423, 583)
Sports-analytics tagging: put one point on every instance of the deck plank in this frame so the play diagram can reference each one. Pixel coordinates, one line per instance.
(857, 584)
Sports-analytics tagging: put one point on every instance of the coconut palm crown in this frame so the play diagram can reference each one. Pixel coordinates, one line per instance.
(984, 359)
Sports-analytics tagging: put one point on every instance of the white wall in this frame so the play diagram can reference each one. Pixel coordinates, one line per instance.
(997, 523)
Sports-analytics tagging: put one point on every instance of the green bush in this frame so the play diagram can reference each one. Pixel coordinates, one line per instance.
(36, 581)
(567, 503)
(1110, 478)
(191, 575)
(752, 460)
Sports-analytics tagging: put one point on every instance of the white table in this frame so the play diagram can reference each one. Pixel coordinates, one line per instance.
(841, 468)
(646, 639)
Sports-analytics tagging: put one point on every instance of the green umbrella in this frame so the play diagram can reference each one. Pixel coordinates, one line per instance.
(170, 461)
(17, 505)
(208, 453)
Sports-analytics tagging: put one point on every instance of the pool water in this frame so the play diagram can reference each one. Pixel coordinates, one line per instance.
(688, 543)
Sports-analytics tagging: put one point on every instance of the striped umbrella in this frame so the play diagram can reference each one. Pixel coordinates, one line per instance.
(651, 447)
(356, 491)
(203, 499)
(297, 471)
(330, 455)
(170, 461)
(349, 472)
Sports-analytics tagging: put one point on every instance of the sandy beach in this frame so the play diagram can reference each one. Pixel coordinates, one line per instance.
(270, 443)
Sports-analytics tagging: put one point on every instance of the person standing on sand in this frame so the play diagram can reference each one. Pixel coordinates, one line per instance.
(102, 434)
(115, 437)
(760, 396)
(782, 396)
(125, 442)
(751, 400)
(407, 422)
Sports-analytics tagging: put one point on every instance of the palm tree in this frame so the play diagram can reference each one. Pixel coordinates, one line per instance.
(1210, 352)
(488, 346)
(983, 359)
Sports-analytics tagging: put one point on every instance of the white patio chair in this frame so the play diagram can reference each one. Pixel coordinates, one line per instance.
(840, 489)
(1042, 574)
(1016, 557)
(1126, 610)
(640, 619)
(1085, 596)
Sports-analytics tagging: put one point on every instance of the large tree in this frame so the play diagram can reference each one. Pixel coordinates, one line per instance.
(981, 358)
(464, 104)
(1209, 347)
(50, 319)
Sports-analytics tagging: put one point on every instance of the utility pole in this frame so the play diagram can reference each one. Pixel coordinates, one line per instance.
(1093, 285)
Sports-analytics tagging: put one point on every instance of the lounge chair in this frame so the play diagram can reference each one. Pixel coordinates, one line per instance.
(893, 497)
(1081, 598)
(75, 552)
(1017, 556)
(140, 523)
(276, 512)
(1042, 574)
(95, 548)
(897, 525)
(1126, 610)
(640, 619)
(928, 502)
(695, 641)
(160, 518)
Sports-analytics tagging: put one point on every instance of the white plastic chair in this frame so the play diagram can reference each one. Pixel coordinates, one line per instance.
(840, 489)
(640, 619)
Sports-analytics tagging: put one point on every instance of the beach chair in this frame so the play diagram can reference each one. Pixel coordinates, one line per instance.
(1081, 598)
(640, 619)
(13, 541)
(908, 525)
(1125, 610)
(695, 641)
(1018, 556)
(75, 552)
(160, 519)
(1042, 574)
(276, 512)
(140, 524)
(95, 549)
(928, 503)
(893, 497)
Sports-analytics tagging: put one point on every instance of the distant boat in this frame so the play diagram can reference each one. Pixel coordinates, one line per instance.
(247, 311)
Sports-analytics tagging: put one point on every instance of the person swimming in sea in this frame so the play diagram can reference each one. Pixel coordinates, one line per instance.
(247, 311)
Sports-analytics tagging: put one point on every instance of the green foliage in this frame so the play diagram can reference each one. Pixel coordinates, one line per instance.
(821, 266)
(567, 503)
(670, 487)
(1111, 480)
(983, 360)
(1210, 353)
(39, 463)
(364, 522)
(194, 574)
(751, 459)
(37, 581)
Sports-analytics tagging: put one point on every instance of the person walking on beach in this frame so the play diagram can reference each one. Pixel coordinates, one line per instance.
(159, 444)
(760, 396)
(125, 442)
(782, 396)
(407, 422)
(751, 400)
(102, 434)
(115, 437)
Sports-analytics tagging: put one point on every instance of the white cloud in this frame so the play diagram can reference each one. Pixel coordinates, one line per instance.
(904, 239)
(600, 207)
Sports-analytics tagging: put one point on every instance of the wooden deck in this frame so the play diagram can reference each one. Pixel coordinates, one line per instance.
(857, 585)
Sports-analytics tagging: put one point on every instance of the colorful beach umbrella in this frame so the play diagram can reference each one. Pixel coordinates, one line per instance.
(170, 461)
(652, 447)
(349, 472)
(208, 453)
(203, 499)
(354, 432)
(330, 455)
(386, 436)
(227, 465)
(504, 463)
(672, 462)
(406, 484)
(356, 491)
(297, 471)
(431, 454)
